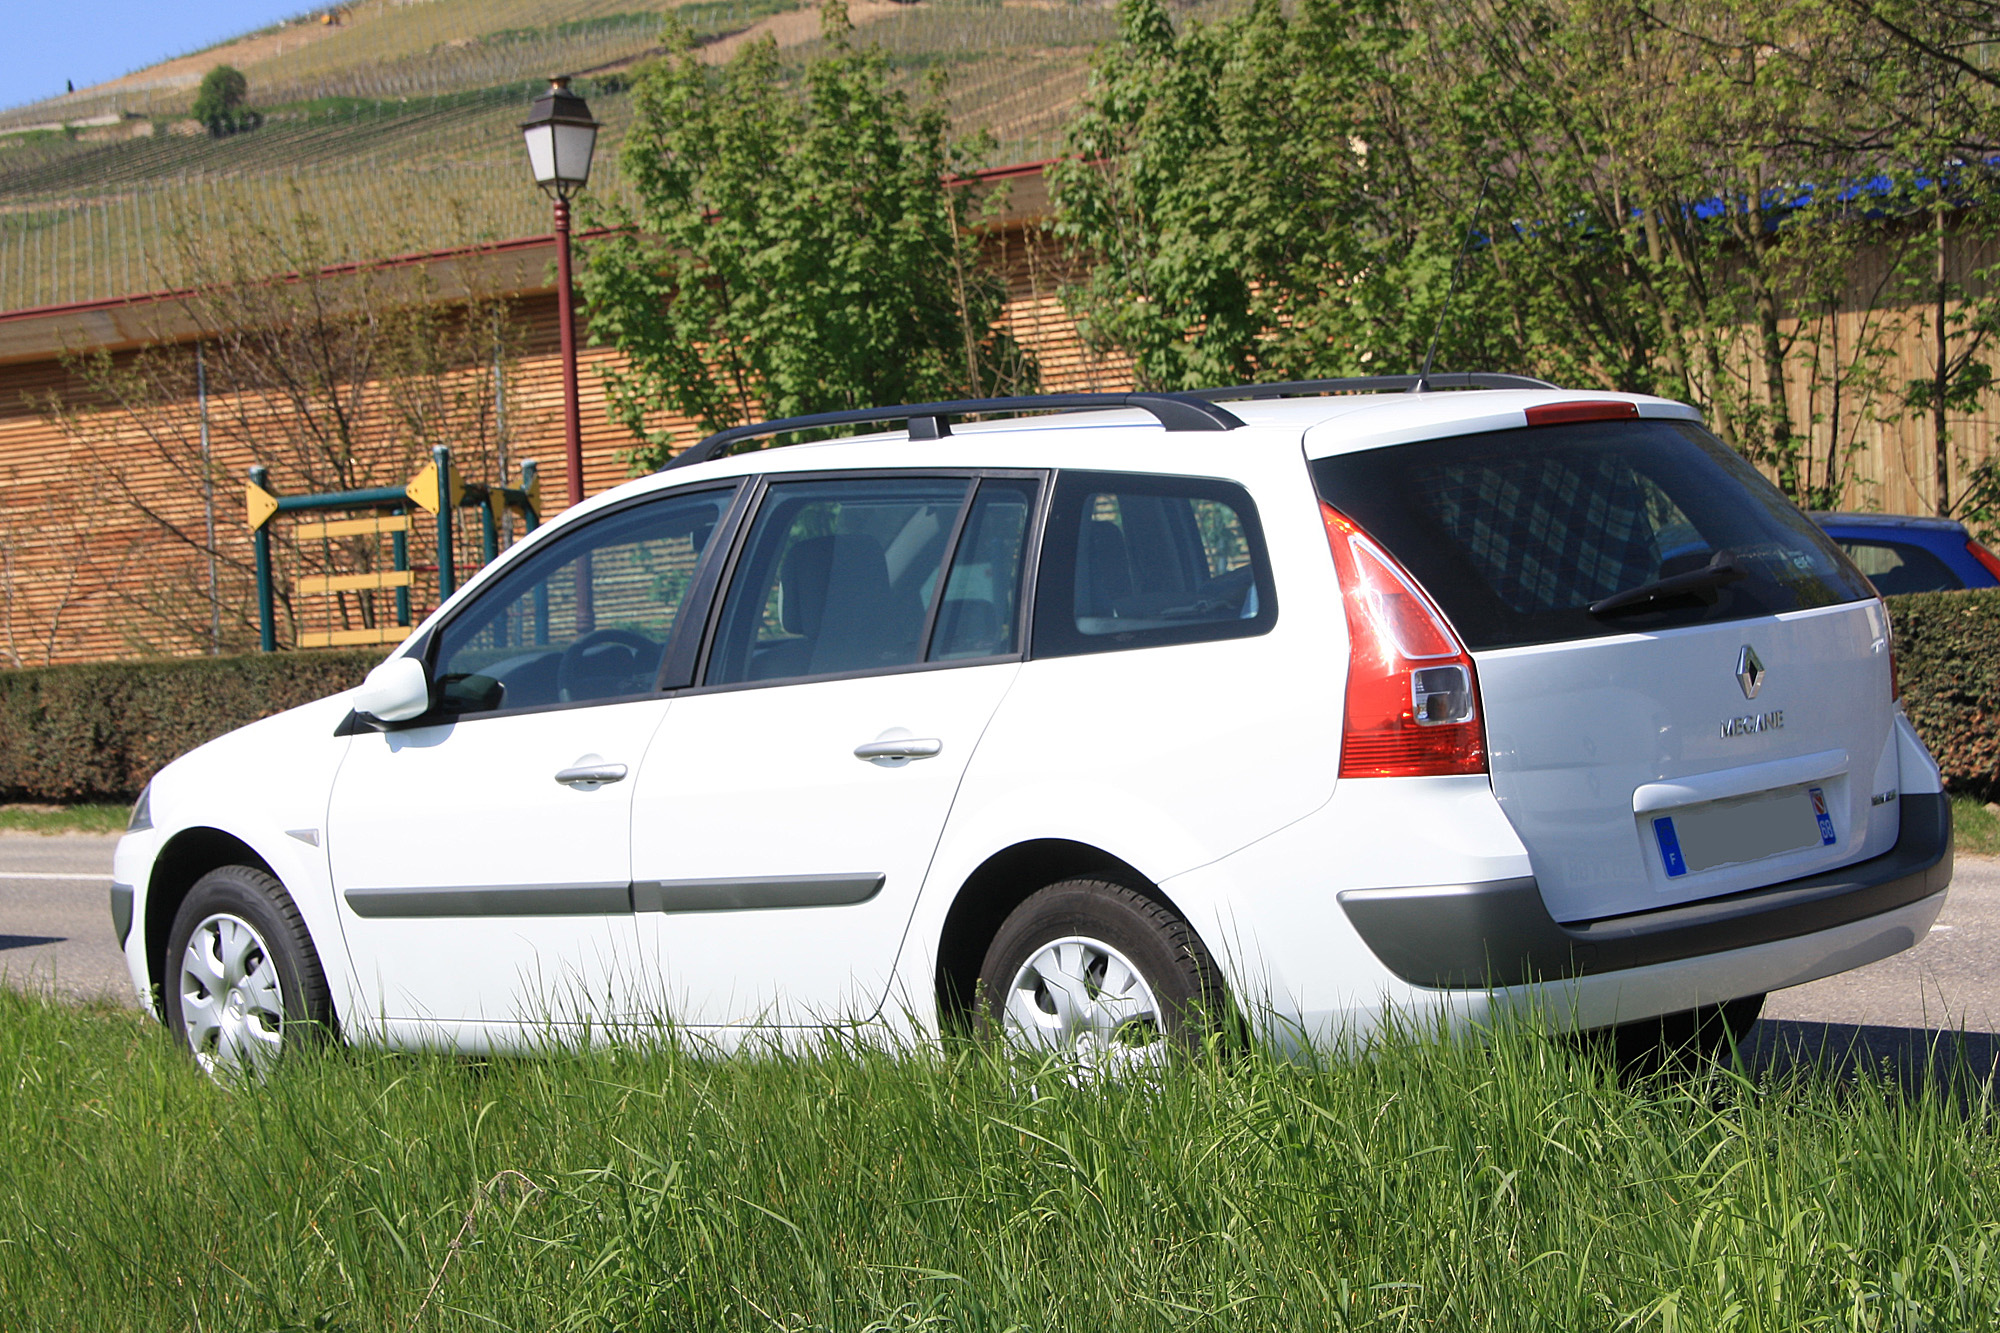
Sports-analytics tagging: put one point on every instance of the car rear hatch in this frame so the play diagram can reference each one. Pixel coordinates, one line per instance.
(1685, 686)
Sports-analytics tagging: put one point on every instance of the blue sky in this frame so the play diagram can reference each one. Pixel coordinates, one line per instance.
(48, 41)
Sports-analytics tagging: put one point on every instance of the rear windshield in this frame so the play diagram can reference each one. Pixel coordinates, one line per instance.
(1517, 533)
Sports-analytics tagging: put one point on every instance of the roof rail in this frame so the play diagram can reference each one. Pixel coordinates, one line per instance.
(931, 421)
(1371, 384)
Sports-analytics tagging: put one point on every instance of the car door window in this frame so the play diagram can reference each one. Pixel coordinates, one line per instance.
(981, 610)
(1134, 562)
(586, 619)
(836, 577)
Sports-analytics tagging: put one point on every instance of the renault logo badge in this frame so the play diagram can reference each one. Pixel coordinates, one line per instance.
(1749, 671)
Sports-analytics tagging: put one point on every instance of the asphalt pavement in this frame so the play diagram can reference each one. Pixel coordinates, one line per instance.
(1940, 999)
(55, 916)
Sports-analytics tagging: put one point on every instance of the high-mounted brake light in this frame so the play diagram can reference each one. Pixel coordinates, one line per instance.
(1977, 550)
(1558, 414)
(1412, 695)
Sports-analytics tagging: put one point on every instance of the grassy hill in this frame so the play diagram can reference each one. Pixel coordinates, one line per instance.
(396, 124)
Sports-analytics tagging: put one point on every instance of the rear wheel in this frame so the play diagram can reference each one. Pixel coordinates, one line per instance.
(243, 981)
(1100, 972)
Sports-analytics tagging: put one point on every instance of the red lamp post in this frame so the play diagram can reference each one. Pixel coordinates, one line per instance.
(561, 137)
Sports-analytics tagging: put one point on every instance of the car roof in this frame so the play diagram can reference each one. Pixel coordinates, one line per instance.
(1926, 522)
(1130, 439)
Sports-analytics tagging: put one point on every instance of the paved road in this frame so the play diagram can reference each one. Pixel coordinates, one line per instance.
(55, 916)
(55, 933)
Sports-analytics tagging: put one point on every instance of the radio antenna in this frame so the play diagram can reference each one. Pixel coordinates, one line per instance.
(1423, 383)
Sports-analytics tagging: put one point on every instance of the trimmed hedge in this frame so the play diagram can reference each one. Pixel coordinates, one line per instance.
(98, 732)
(1948, 658)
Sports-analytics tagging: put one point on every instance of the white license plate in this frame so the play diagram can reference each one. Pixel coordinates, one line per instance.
(1730, 832)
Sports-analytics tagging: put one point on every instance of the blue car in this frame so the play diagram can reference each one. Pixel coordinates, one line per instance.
(1913, 553)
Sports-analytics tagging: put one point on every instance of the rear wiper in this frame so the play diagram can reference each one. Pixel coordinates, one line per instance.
(1721, 568)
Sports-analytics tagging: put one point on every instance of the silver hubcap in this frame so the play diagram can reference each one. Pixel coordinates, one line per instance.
(1082, 997)
(231, 1002)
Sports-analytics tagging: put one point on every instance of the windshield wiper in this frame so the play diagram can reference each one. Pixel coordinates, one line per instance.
(1721, 568)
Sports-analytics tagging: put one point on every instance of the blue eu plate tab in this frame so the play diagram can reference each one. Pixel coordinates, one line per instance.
(1670, 846)
(1825, 819)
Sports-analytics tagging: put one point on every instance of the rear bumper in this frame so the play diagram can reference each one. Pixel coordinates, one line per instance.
(1499, 933)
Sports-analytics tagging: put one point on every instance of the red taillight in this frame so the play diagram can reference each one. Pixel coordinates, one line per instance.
(1557, 414)
(1412, 696)
(1984, 557)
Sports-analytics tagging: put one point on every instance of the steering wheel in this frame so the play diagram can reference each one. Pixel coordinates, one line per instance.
(605, 663)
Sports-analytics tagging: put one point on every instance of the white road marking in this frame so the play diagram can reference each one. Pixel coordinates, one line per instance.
(53, 874)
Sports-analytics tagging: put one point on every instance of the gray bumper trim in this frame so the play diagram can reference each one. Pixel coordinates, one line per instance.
(121, 912)
(1499, 933)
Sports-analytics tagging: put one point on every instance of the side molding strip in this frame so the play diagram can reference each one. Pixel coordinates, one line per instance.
(673, 895)
(495, 900)
(756, 892)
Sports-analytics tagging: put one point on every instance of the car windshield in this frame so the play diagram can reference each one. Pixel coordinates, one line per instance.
(1519, 534)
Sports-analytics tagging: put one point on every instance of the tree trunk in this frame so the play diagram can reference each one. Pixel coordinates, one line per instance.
(1940, 442)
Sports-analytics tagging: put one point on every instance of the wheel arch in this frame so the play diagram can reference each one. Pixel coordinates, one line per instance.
(1003, 882)
(185, 858)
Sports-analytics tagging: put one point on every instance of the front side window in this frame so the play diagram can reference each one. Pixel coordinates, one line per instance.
(585, 619)
(1135, 562)
(836, 577)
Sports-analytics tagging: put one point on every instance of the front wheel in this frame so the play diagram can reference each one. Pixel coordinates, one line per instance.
(1100, 972)
(243, 981)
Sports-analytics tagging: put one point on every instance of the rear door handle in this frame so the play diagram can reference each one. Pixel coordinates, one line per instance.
(591, 775)
(903, 747)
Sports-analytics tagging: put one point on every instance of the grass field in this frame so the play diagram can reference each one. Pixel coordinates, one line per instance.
(63, 818)
(1513, 1185)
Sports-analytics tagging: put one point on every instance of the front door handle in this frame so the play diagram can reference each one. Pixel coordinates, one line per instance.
(591, 774)
(901, 748)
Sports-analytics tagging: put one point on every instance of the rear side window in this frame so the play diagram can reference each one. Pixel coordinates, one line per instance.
(1898, 567)
(1137, 561)
(981, 611)
(836, 577)
(1517, 533)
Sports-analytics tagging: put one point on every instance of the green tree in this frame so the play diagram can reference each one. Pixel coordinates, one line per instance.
(220, 102)
(796, 248)
(1669, 202)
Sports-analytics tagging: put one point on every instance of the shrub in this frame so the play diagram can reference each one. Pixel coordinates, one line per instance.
(99, 732)
(1948, 658)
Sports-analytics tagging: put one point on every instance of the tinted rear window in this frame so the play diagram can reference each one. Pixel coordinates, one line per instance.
(1517, 532)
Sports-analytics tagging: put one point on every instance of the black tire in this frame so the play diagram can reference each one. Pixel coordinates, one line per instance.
(1689, 1038)
(1157, 943)
(244, 1038)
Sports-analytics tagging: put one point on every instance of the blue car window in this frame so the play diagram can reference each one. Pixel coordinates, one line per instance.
(1898, 567)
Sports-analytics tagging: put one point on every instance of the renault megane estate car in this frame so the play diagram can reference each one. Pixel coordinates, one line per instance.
(1085, 721)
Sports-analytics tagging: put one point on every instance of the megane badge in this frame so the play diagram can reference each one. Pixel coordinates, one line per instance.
(1749, 671)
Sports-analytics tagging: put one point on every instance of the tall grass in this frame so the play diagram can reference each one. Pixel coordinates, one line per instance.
(1511, 1185)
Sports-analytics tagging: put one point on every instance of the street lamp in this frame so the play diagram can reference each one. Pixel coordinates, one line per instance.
(561, 137)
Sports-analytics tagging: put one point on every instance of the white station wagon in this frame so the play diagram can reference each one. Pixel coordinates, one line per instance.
(1098, 720)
